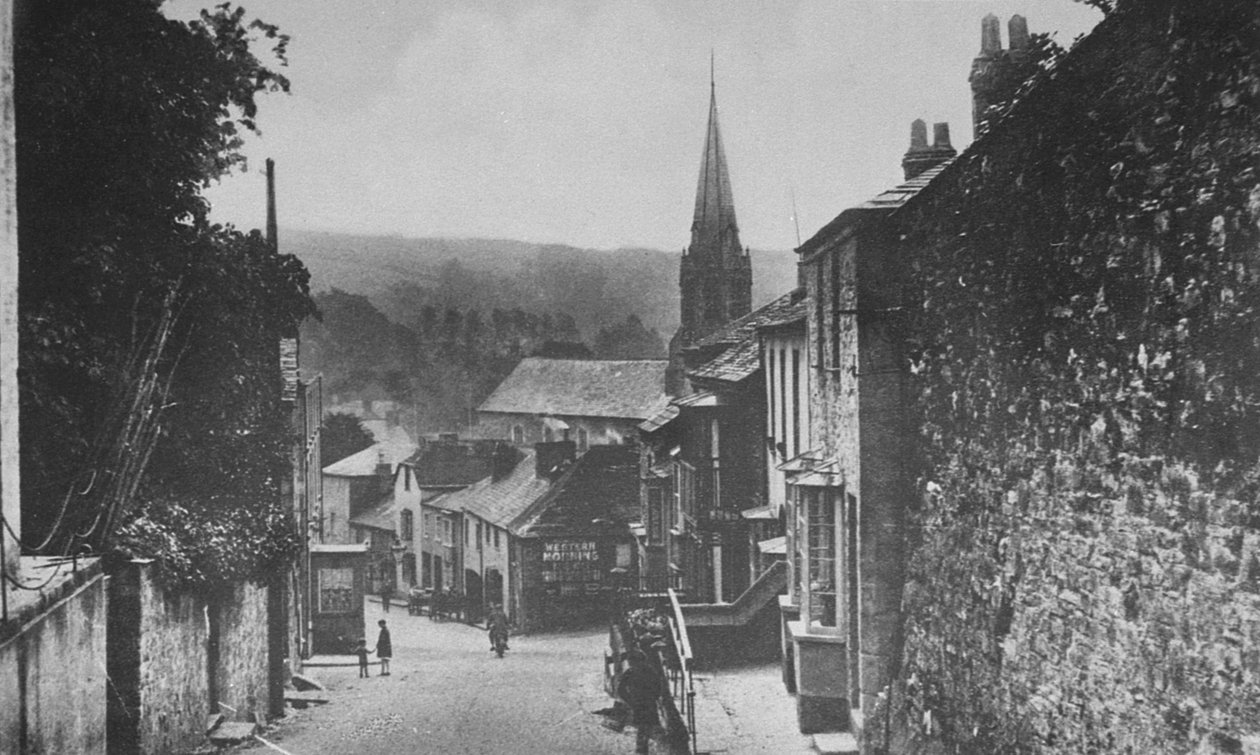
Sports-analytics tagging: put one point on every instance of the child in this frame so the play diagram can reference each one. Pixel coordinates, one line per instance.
(362, 651)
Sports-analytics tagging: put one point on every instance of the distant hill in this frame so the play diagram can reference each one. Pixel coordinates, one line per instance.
(598, 288)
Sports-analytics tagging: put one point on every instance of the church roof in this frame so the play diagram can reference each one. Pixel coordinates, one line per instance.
(715, 205)
(614, 388)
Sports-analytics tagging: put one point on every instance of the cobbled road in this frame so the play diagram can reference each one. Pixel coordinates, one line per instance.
(448, 693)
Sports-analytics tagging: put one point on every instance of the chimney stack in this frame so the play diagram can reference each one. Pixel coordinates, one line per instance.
(1018, 32)
(920, 156)
(996, 74)
(272, 235)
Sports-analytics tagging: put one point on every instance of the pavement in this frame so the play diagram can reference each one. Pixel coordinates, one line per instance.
(449, 694)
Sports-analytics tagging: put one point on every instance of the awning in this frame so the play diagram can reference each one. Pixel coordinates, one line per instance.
(817, 480)
(775, 546)
(802, 461)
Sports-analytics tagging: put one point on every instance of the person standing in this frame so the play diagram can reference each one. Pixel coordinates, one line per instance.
(362, 651)
(640, 688)
(387, 592)
(497, 626)
(384, 647)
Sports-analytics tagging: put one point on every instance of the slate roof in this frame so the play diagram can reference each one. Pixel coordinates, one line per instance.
(662, 418)
(603, 485)
(500, 501)
(746, 326)
(625, 389)
(363, 463)
(743, 356)
(454, 464)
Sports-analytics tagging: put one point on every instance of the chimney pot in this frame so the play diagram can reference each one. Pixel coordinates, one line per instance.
(940, 136)
(918, 134)
(1018, 30)
(990, 36)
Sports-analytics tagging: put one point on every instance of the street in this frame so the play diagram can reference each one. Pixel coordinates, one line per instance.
(447, 693)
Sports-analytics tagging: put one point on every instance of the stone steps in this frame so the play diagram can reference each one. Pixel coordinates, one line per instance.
(836, 743)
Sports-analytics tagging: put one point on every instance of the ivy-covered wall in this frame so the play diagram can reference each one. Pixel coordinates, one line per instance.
(1086, 362)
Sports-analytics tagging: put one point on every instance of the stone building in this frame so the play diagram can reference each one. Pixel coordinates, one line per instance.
(591, 402)
(356, 484)
(429, 531)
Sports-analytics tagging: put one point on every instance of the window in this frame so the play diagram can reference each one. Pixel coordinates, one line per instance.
(583, 440)
(772, 398)
(428, 525)
(783, 382)
(518, 435)
(405, 523)
(488, 528)
(623, 555)
(336, 590)
(817, 557)
(655, 515)
(796, 403)
(479, 533)
(820, 295)
(406, 473)
(835, 308)
(714, 447)
(496, 538)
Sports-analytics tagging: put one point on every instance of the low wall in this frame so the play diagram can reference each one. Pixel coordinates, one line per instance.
(162, 649)
(52, 669)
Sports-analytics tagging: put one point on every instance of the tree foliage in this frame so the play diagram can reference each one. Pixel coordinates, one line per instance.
(341, 435)
(148, 335)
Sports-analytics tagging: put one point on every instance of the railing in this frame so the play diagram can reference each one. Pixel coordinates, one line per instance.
(678, 666)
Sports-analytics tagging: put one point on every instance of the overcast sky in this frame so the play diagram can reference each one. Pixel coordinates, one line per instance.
(582, 122)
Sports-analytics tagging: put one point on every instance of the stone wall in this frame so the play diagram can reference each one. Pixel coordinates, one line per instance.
(1085, 344)
(174, 697)
(52, 669)
(243, 651)
(162, 647)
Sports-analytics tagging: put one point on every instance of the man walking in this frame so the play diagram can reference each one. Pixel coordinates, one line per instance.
(640, 687)
(384, 648)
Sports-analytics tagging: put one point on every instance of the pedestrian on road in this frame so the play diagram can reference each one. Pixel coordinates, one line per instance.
(387, 592)
(640, 687)
(497, 626)
(384, 648)
(362, 651)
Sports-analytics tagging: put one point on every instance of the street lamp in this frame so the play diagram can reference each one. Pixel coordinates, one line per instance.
(397, 550)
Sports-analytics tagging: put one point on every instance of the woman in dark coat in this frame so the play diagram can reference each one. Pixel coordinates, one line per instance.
(384, 648)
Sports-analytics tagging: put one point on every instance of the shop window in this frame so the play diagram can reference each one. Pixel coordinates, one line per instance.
(336, 590)
(817, 558)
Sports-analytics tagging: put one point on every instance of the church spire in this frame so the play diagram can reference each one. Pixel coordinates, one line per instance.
(715, 273)
(714, 219)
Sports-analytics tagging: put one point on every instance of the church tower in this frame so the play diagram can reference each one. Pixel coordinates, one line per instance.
(715, 276)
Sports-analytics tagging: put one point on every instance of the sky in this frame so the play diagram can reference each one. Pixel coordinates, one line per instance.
(582, 122)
